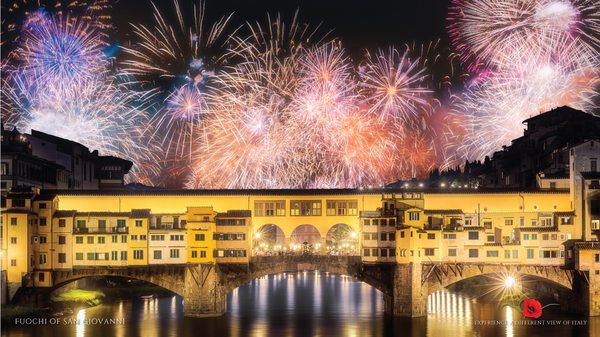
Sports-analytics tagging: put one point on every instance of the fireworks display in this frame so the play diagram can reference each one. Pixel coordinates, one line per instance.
(279, 104)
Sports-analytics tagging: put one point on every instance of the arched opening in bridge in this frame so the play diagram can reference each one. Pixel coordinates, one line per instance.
(341, 240)
(306, 239)
(81, 292)
(274, 304)
(497, 290)
(269, 240)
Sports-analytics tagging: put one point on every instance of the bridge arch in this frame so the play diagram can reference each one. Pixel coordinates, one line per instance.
(341, 239)
(351, 266)
(269, 239)
(437, 276)
(168, 277)
(306, 238)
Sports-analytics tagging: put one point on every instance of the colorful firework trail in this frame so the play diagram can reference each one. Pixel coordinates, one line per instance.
(536, 55)
(280, 104)
(173, 62)
(58, 80)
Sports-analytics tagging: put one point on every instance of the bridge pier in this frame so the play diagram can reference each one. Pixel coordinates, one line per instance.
(586, 294)
(204, 295)
(407, 296)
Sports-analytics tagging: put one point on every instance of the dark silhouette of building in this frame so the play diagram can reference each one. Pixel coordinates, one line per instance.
(542, 151)
(48, 162)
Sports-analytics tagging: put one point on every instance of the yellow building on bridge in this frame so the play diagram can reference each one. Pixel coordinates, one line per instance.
(76, 229)
(48, 231)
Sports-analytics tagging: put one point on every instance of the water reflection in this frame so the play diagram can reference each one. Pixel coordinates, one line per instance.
(449, 309)
(303, 304)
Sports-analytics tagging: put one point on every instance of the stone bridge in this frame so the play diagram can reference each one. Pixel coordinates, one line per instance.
(413, 283)
(405, 287)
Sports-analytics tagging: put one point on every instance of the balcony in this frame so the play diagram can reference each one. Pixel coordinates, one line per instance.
(430, 227)
(168, 226)
(379, 213)
(510, 242)
(101, 230)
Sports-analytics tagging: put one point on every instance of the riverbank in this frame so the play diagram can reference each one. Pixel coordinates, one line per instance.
(68, 302)
(10, 312)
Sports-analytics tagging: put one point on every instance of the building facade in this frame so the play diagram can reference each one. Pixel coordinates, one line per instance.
(61, 230)
(44, 161)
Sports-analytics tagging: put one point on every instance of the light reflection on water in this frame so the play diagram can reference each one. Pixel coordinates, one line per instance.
(302, 304)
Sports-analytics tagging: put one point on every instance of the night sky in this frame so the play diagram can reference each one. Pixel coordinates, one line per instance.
(359, 24)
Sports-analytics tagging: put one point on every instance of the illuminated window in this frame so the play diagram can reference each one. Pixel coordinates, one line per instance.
(269, 208)
(413, 216)
(342, 207)
(305, 208)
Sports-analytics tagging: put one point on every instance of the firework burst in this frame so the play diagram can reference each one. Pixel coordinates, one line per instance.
(394, 85)
(165, 56)
(483, 31)
(57, 49)
(59, 82)
(19, 14)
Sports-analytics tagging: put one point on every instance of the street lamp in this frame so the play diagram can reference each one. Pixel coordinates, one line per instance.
(509, 282)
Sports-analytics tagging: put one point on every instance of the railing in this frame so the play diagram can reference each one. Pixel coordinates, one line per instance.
(307, 258)
(167, 226)
(432, 227)
(96, 230)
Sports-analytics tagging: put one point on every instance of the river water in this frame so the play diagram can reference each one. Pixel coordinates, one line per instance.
(306, 304)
